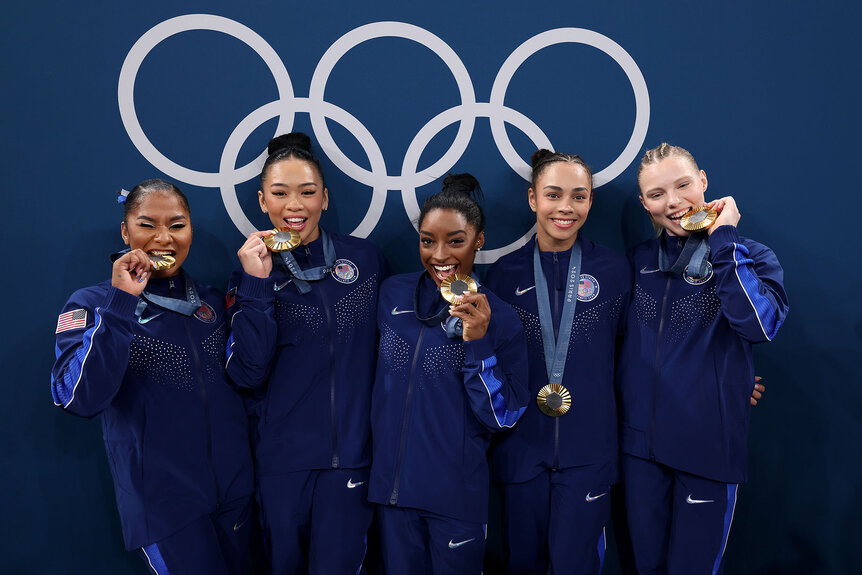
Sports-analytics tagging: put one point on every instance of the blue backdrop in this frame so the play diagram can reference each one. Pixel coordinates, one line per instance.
(99, 96)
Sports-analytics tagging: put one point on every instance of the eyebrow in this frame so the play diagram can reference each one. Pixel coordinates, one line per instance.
(283, 185)
(456, 232)
(559, 189)
(174, 218)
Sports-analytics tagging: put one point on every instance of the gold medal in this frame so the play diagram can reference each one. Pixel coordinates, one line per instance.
(554, 400)
(454, 286)
(283, 240)
(698, 219)
(162, 261)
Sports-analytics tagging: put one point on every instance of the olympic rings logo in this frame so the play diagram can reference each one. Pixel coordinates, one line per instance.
(319, 110)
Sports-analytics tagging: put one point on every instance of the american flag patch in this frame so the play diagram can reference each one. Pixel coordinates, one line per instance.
(75, 319)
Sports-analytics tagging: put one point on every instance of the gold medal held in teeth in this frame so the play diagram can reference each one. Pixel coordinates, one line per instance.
(554, 400)
(283, 240)
(162, 261)
(454, 286)
(698, 219)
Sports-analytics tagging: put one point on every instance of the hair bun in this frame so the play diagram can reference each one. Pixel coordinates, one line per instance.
(540, 156)
(292, 140)
(461, 183)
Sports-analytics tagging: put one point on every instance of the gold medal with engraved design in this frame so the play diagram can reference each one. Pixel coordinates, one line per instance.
(162, 260)
(698, 219)
(283, 240)
(554, 400)
(456, 285)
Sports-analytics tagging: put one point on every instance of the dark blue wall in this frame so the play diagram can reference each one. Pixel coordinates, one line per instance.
(766, 97)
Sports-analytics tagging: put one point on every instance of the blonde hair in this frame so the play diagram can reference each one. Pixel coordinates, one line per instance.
(662, 152)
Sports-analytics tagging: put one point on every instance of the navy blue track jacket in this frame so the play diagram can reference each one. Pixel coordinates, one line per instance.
(175, 431)
(587, 433)
(686, 370)
(437, 400)
(310, 357)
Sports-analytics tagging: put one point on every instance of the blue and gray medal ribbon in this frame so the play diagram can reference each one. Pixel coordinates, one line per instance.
(694, 256)
(554, 399)
(301, 277)
(187, 307)
(453, 326)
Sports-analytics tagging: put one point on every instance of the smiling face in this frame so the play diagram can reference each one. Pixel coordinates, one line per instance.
(561, 199)
(294, 197)
(448, 244)
(669, 189)
(160, 224)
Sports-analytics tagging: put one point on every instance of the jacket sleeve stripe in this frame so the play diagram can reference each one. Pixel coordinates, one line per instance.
(503, 416)
(763, 308)
(64, 391)
(155, 559)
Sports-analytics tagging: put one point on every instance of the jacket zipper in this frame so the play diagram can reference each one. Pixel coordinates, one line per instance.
(657, 373)
(206, 405)
(333, 415)
(393, 499)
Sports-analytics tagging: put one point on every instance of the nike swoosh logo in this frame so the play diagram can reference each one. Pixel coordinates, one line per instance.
(460, 543)
(236, 526)
(143, 320)
(646, 271)
(351, 485)
(519, 291)
(396, 311)
(590, 497)
(279, 287)
(691, 501)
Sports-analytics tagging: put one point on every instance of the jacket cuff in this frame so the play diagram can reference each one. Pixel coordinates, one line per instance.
(478, 350)
(255, 288)
(120, 303)
(723, 236)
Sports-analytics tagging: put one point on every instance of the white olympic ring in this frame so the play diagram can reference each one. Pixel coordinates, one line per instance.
(319, 110)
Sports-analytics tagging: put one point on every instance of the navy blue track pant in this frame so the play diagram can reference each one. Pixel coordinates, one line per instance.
(425, 543)
(316, 521)
(678, 522)
(557, 519)
(216, 544)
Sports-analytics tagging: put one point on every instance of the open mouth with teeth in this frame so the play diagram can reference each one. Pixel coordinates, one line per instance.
(563, 224)
(442, 272)
(677, 216)
(297, 224)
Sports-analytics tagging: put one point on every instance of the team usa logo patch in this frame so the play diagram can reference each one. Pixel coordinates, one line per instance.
(345, 271)
(698, 281)
(206, 313)
(588, 288)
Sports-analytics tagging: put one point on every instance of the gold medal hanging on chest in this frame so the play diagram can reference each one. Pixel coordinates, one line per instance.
(283, 240)
(456, 285)
(162, 261)
(698, 219)
(554, 400)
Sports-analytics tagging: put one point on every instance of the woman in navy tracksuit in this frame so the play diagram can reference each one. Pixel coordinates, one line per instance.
(145, 351)
(555, 469)
(447, 377)
(700, 301)
(303, 336)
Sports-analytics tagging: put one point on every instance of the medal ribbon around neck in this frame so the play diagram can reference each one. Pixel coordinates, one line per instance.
(557, 349)
(185, 307)
(301, 277)
(454, 326)
(694, 256)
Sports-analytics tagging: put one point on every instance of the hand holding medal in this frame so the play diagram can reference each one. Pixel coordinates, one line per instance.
(473, 310)
(131, 272)
(728, 212)
(255, 256)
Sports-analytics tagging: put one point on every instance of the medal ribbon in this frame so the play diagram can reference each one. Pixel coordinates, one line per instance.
(301, 277)
(556, 349)
(185, 307)
(454, 326)
(694, 256)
